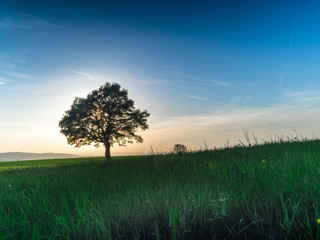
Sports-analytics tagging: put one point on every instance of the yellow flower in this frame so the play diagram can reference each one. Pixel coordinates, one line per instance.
(263, 161)
(318, 221)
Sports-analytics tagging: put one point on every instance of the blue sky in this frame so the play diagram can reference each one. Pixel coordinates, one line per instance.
(204, 70)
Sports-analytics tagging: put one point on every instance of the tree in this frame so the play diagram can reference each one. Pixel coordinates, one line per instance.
(179, 148)
(107, 116)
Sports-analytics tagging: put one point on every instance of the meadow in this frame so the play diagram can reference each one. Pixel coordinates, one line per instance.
(267, 191)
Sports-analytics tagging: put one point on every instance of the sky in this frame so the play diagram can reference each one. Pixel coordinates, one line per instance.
(204, 70)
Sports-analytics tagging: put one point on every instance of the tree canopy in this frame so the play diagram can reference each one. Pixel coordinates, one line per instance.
(107, 116)
(179, 148)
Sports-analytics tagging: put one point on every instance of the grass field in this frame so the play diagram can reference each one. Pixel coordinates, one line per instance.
(269, 191)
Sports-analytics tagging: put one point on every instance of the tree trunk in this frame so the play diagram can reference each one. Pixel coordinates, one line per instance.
(107, 154)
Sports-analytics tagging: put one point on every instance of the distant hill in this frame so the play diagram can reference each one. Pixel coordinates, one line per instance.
(16, 156)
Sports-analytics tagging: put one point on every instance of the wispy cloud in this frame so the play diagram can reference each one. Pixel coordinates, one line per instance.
(20, 75)
(91, 76)
(1, 83)
(240, 99)
(10, 68)
(226, 125)
(208, 81)
(150, 81)
(6, 65)
(17, 74)
(302, 97)
(212, 82)
(139, 81)
(201, 99)
(221, 83)
(295, 110)
(84, 74)
(24, 21)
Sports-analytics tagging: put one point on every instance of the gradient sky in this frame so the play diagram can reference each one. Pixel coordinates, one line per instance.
(203, 70)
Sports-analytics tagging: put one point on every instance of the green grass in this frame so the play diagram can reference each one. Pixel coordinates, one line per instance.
(220, 194)
(45, 163)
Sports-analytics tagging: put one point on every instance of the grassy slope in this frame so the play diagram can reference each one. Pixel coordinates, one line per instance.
(220, 194)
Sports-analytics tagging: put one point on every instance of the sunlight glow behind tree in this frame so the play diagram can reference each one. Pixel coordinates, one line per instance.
(106, 116)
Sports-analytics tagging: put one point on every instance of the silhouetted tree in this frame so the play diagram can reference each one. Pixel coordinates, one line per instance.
(179, 148)
(106, 116)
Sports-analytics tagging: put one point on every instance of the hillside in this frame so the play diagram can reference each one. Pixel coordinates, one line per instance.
(268, 191)
(17, 156)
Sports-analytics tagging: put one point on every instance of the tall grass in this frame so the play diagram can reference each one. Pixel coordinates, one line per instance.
(268, 191)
